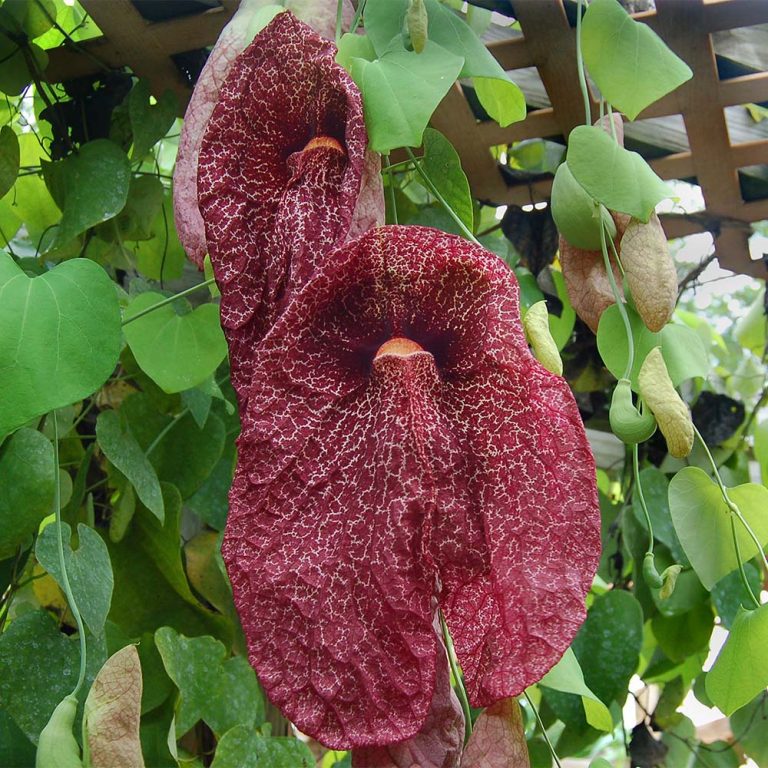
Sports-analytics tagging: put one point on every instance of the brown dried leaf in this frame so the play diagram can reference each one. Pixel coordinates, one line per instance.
(650, 271)
(498, 739)
(112, 712)
(586, 279)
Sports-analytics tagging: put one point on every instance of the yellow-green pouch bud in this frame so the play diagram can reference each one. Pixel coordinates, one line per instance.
(416, 23)
(57, 747)
(660, 395)
(536, 324)
(629, 424)
(669, 579)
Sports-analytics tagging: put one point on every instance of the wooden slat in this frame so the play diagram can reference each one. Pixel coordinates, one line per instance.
(454, 117)
(512, 54)
(136, 44)
(552, 46)
(744, 90)
(174, 36)
(538, 124)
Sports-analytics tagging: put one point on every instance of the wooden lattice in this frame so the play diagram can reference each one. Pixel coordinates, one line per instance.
(548, 43)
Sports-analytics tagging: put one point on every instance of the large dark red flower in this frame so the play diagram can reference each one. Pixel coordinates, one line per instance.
(279, 175)
(401, 444)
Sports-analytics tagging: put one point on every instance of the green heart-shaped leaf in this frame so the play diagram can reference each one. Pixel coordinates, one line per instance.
(89, 187)
(59, 337)
(401, 90)
(619, 179)
(88, 569)
(27, 487)
(740, 671)
(630, 63)
(176, 351)
(703, 522)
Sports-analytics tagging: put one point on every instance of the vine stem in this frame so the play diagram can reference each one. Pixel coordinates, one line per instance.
(358, 16)
(619, 304)
(440, 199)
(730, 504)
(742, 572)
(391, 188)
(639, 490)
(65, 585)
(543, 730)
(462, 692)
(169, 300)
(339, 6)
(580, 65)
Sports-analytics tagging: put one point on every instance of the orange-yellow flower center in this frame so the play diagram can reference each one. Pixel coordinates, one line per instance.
(400, 347)
(321, 142)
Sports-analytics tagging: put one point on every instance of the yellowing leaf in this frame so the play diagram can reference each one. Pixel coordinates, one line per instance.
(112, 712)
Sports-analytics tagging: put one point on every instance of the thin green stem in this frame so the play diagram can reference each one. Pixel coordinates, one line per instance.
(613, 125)
(620, 304)
(730, 503)
(440, 199)
(391, 189)
(65, 585)
(339, 6)
(461, 691)
(639, 492)
(169, 300)
(358, 16)
(742, 572)
(580, 65)
(543, 730)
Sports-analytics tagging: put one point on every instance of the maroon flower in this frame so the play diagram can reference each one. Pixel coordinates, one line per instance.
(279, 175)
(440, 740)
(401, 444)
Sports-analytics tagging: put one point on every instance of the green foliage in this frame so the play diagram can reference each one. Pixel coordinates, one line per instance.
(88, 569)
(630, 63)
(401, 90)
(60, 337)
(703, 522)
(27, 487)
(9, 159)
(38, 667)
(149, 122)
(242, 747)
(740, 671)
(89, 187)
(178, 351)
(120, 446)
(619, 179)
(682, 349)
(566, 676)
(220, 690)
(443, 166)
